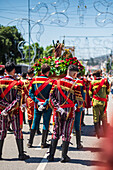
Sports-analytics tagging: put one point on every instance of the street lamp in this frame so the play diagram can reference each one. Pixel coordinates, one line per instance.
(29, 28)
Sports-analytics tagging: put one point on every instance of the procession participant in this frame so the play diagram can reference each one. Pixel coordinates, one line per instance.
(83, 108)
(87, 81)
(65, 94)
(77, 122)
(98, 90)
(24, 80)
(39, 92)
(10, 100)
(2, 71)
(29, 101)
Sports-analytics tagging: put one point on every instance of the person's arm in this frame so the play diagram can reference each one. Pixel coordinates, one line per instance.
(31, 93)
(16, 102)
(53, 96)
(83, 90)
(107, 87)
(90, 90)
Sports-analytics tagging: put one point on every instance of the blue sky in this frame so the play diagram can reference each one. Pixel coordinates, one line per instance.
(81, 30)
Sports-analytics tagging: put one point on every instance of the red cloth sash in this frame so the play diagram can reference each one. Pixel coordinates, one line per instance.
(21, 117)
(99, 87)
(100, 98)
(70, 102)
(41, 88)
(3, 95)
(8, 89)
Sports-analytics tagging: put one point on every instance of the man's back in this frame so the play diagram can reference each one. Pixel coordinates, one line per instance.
(70, 90)
(10, 91)
(102, 92)
(38, 82)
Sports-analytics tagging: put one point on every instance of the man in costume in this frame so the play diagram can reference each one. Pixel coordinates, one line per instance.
(65, 94)
(98, 90)
(10, 101)
(87, 81)
(39, 92)
(24, 80)
(27, 101)
(78, 111)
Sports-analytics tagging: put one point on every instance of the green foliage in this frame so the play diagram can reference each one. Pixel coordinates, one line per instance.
(59, 65)
(9, 39)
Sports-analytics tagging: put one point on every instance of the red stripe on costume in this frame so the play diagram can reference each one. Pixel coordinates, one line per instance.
(70, 102)
(80, 81)
(42, 86)
(8, 89)
(21, 117)
(102, 99)
(99, 87)
(41, 79)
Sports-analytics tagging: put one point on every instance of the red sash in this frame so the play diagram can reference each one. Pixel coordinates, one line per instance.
(3, 95)
(41, 88)
(99, 87)
(99, 98)
(8, 89)
(70, 103)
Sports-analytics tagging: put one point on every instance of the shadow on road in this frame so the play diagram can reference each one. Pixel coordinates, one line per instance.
(91, 114)
(86, 149)
(88, 162)
(88, 130)
(39, 159)
(12, 159)
(74, 161)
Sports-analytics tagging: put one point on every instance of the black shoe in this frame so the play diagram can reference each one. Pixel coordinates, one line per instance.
(50, 158)
(10, 130)
(65, 146)
(80, 146)
(38, 132)
(23, 157)
(29, 145)
(32, 134)
(44, 139)
(66, 159)
(45, 145)
(1, 158)
(83, 124)
(52, 150)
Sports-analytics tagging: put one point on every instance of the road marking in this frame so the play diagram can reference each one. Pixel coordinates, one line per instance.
(43, 163)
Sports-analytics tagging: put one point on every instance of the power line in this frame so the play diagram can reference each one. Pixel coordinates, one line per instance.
(78, 27)
(6, 18)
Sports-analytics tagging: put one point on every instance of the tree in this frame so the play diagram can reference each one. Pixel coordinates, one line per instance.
(9, 39)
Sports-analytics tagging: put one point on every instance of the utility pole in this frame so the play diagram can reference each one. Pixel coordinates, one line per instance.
(29, 28)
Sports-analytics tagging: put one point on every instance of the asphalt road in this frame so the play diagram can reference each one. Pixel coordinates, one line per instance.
(86, 158)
